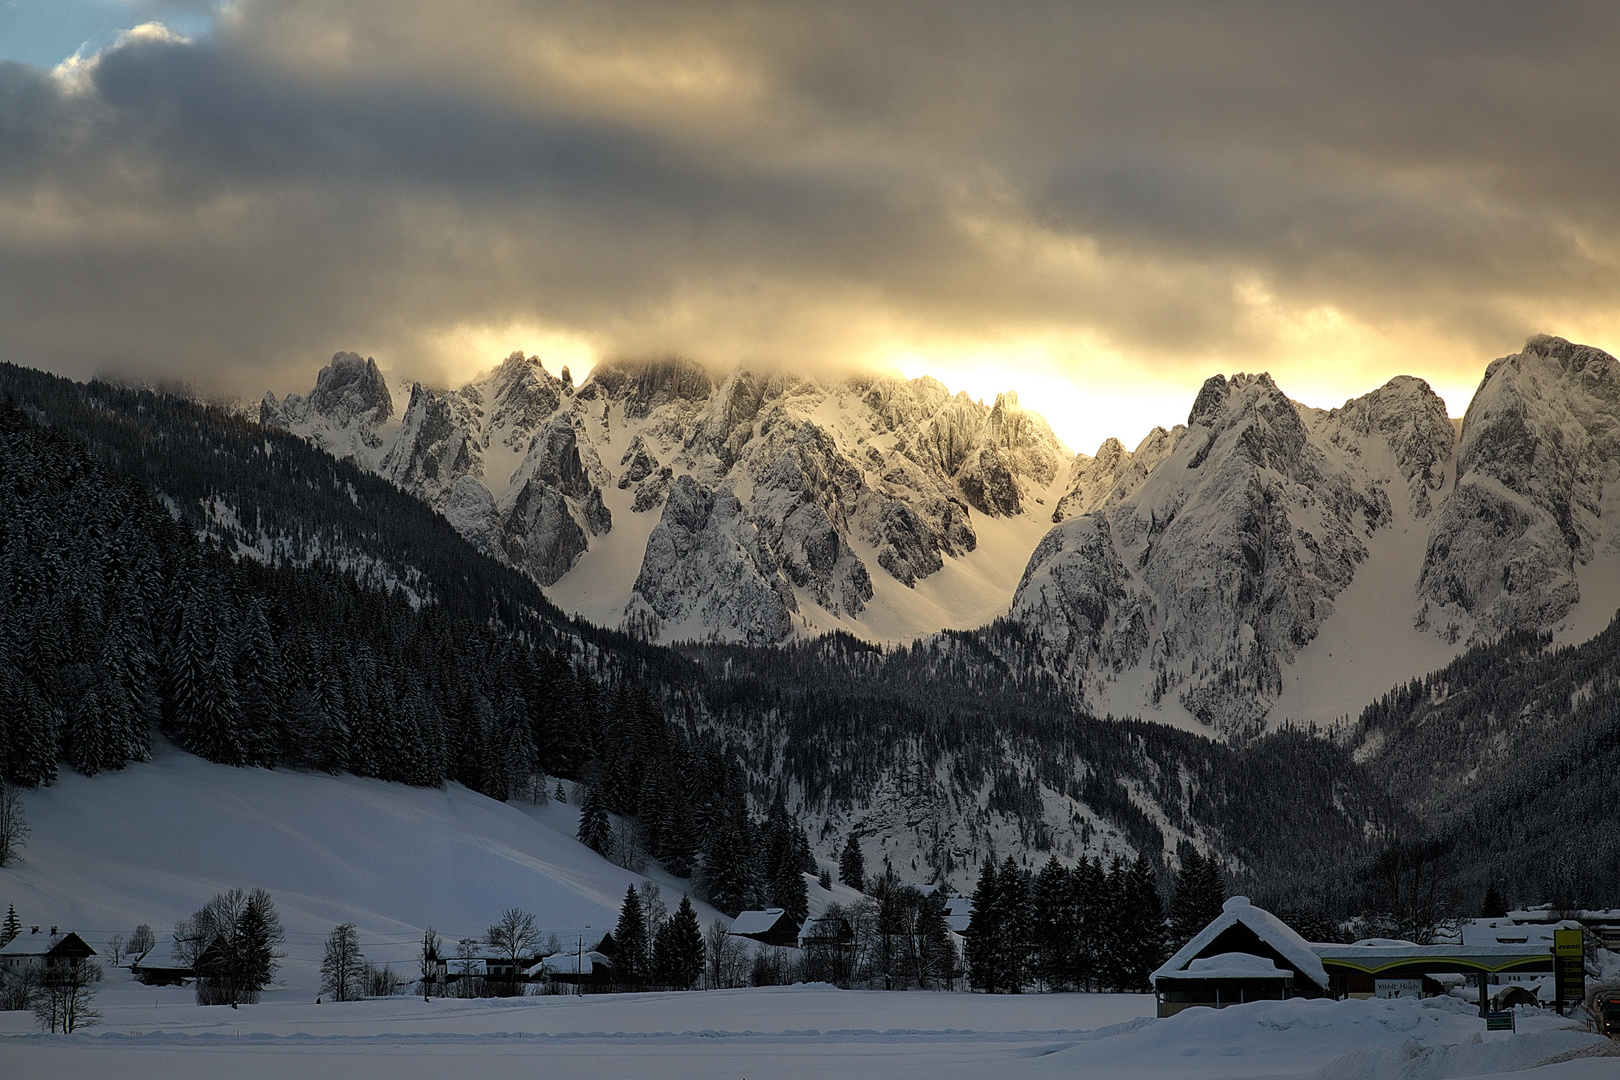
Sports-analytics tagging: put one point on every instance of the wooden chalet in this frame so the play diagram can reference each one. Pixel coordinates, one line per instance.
(1246, 954)
(772, 926)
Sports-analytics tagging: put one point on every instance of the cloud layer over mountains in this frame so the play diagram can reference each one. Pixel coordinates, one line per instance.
(1171, 187)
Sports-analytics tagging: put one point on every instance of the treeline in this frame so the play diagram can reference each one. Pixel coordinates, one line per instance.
(1089, 927)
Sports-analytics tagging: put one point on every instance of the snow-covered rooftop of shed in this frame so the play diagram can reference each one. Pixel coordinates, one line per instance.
(1232, 965)
(756, 922)
(572, 963)
(1266, 926)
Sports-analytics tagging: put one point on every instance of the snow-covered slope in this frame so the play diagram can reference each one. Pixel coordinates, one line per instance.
(154, 842)
(750, 507)
(1272, 560)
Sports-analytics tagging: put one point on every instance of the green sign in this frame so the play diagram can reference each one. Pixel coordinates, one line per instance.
(1499, 1021)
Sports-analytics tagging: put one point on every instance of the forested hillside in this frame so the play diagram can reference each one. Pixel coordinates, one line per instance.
(1511, 753)
(120, 620)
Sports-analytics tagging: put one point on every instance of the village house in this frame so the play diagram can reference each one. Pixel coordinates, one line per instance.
(33, 949)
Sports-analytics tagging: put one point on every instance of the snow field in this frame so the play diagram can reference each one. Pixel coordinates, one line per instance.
(808, 1032)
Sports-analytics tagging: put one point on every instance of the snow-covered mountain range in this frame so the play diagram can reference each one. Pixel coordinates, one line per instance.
(1270, 560)
(1264, 560)
(747, 507)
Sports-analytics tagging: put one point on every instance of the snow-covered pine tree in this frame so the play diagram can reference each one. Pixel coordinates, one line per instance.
(1087, 899)
(11, 927)
(1017, 923)
(679, 948)
(984, 930)
(630, 940)
(261, 683)
(517, 760)
(257, 936)
(729, 877)
(86, 735)
(1140, 945)
(124, 677)
(595, 832)
(852, 865)
(1055, 935)
(1197, 897)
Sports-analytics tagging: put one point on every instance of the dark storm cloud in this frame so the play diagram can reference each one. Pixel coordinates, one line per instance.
(798, 180)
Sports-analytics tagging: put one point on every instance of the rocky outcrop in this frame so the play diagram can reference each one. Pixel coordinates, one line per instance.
(1538, 449)
(706, 567)
(1208, 570)
(1114, 474)
(347, 414)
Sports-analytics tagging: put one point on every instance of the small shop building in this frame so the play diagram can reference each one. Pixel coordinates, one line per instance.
(1245, 954)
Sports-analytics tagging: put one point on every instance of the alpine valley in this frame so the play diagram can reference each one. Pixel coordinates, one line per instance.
(862, 604)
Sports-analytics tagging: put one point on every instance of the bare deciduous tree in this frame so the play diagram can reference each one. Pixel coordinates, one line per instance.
(13, 827)
(514, 938)
(428, 962)
(727, 959)
(142, 941)
(341, 967)
(65, 989)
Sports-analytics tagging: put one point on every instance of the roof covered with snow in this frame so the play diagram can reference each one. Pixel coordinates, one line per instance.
(1232, 965)
(756, 922)
(37, 944)
(1267, 927)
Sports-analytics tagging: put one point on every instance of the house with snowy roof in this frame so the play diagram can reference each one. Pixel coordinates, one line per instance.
(34, 949)
(1245, 954)
(771, 926)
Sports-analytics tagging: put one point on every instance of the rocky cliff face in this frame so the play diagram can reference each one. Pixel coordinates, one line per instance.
(747, 507)
(1538, 453)
(1198, 575)
(348, 414)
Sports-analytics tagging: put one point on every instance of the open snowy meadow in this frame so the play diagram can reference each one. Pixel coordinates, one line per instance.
(154, 842)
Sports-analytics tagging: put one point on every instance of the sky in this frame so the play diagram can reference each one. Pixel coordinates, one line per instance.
(1095, 205)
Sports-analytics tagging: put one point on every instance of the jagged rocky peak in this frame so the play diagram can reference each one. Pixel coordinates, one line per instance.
(523, 394)
(438, 443)
(1537, 455)
(1409, 418)
(1114, 473)
(352, 387)
(1205, 566)
(344, 414)
(644, 385)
